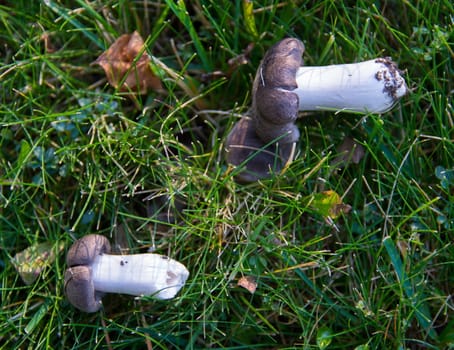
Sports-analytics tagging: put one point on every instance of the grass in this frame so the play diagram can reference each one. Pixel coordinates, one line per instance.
(78, 157)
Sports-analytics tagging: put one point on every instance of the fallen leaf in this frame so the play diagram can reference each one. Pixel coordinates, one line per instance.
(329, 204)
(249, 283)
(403, 247)
(30, 262)
(124, 68)
(348, 152)
(234, 64)
(239, 60)
(48, 44)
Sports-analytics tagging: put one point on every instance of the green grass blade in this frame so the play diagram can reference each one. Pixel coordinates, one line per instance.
(317, 291)
(77, 24)
(179, 9)
(421, 310)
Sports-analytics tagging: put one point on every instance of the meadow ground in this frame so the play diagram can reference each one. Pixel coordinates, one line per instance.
(78, 156)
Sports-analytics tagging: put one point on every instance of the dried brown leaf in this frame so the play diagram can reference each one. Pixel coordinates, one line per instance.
(124, 70)
(349, 152)
(249, 283)
(48, 44)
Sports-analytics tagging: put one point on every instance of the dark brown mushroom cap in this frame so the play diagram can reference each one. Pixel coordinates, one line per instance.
(84, 250)
(265, 142)
(243, 147)
(79, 287)
(274, 105)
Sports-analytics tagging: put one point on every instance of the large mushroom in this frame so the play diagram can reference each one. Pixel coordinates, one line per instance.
(263, 142)
(92, 272)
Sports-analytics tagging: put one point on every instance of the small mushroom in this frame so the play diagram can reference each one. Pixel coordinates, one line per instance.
(92, 272)
(263, 142)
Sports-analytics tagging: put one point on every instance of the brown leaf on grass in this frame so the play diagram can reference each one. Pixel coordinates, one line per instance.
(124, 68)
(249, 283)
(239, 60)
(234, 65)
(48, 44)
(349, 152)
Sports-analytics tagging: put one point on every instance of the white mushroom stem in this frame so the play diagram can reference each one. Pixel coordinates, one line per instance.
(367, 87)
(138, 274)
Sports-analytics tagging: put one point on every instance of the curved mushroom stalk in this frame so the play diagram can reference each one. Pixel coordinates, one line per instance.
(92, 272)
(263, 142)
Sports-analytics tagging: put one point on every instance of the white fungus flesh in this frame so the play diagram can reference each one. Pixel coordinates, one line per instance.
(139, 274)
(367, 87)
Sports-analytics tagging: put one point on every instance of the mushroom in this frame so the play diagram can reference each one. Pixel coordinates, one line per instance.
(92, 272)
(245, 148)
(263, 142)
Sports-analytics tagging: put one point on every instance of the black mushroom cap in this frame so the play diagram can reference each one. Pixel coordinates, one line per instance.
(79, 287)
(264, 141)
